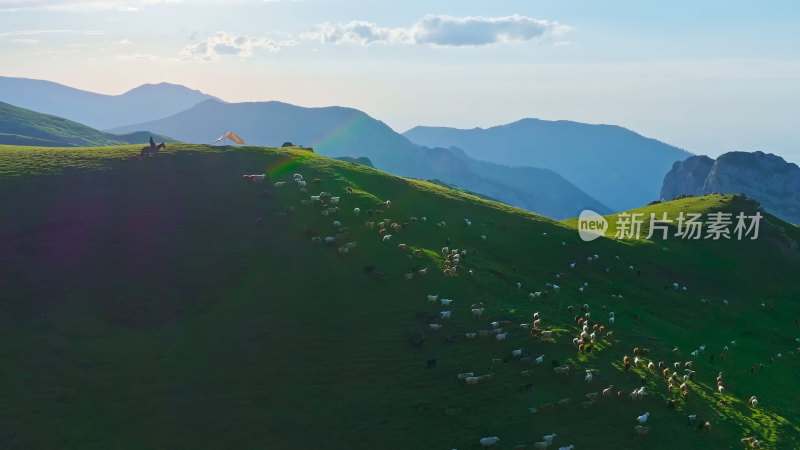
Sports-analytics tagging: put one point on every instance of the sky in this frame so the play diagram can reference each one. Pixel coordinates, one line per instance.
(709, 77)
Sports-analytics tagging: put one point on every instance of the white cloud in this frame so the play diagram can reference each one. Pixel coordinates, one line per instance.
(441, 31)
(124, 42)
(360, 33)
(227, 44)
(25, 41)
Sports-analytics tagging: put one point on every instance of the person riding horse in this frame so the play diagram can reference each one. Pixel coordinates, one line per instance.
(152, 144)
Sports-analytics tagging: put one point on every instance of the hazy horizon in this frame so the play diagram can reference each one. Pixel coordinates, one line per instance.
(694, 76)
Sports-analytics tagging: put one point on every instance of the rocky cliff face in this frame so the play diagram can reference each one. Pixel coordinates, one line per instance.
(767, 178)
(686, 177)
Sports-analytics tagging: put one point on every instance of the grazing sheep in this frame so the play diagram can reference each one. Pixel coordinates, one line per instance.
(465, 375)
(472, 380)
(588, 377)
(432, 298)
(501, 336)
(435, 326)
(540, 359)
(750, 442)
(387, 238)
(516, 353)
(643, 418)
(549, 438)
(753, 401)
(470, 335)
(446, 301)
(562, 371)
(608, 391)
(489, 441)
(445, 315)
(476, 312)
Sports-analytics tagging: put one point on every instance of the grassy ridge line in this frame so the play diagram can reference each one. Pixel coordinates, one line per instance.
(20, 126)
(246, 335)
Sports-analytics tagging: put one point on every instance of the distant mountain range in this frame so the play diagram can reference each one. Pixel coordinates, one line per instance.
(146, 102)
(337, 131)
(620, 168)
(765, 177)
(20, 126)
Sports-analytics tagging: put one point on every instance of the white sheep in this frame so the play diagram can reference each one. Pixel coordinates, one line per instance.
(476, 312)
(495, 324)
(643, 418)
(489, 441)
(280, 184)
(435, 327)
(356, 211)
(334, 200)
(472, 380)
(516, 353)
(432, 298)
(446, 301)
(445, 315)
(471, 335)
(387, 238)
(501, 336)
(549, 438)
(483, 237)
(540, 359)
(464, 375)
(588, 377)
(519, 285)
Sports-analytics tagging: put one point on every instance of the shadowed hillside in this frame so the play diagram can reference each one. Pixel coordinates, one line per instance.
(170, 303)
(146, 102)
(620, 168)
(19, 126)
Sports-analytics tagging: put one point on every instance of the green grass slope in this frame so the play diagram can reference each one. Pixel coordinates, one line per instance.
(145, 305)
(19, 126)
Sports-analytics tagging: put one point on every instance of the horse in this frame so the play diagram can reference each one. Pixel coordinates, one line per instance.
(150, 152)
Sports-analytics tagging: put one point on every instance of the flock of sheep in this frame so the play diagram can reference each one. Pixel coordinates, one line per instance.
(677, 375)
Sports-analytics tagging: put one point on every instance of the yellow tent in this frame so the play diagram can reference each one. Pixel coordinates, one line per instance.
(231, 136)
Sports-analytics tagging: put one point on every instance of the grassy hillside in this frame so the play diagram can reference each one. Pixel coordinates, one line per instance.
(19, 126)
(337, 131)
(145, 305)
